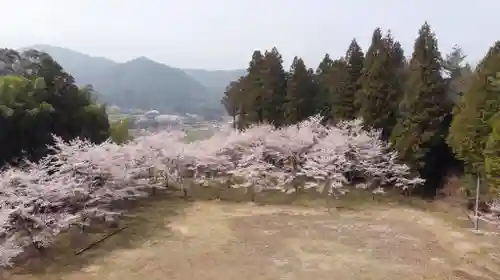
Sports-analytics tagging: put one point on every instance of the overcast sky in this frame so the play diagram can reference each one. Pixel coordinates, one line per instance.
(222, 34)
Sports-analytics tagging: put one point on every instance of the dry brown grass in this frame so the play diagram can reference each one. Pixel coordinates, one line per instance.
(220, 240)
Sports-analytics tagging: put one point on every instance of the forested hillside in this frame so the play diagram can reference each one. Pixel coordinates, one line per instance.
(144, 84)
(438, 112)
(38, 100)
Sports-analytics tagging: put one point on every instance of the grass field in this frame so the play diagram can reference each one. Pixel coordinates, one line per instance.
(173, 239)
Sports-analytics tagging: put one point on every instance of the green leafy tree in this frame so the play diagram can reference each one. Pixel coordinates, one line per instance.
(492, 156)
(37, 100)
(232, 100)
(471, 126)
(24, 118)
(119, 131)
(237, 101)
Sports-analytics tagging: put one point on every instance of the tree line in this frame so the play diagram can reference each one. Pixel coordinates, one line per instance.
(38, 100)
(438, 112)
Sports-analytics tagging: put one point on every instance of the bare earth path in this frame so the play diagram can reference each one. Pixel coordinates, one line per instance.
(216, 240)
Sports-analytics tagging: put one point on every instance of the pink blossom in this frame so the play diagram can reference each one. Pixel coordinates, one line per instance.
(79, 181)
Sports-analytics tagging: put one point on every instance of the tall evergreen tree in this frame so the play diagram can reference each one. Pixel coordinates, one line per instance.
(381, 84)
(400, 71)
(492, 157)
(354, 59)
(471, 116)
(313, 92)
(274, 83)
(338, 82)
(324, 98)
(454, 60)
(459, 74)
(419, 135)
(254, 89)
(300, 95)
(371, 54)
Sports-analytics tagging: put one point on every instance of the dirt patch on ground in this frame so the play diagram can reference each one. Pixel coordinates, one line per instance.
(216, 240)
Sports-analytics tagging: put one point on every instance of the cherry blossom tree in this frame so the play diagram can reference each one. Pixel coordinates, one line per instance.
(78, 182)
(316, 156)
(75, 185)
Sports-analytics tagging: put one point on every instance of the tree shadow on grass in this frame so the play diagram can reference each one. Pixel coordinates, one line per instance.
(145, 219)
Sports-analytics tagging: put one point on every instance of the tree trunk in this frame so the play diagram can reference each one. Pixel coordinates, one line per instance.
(184, 189)
(328, 197)
(32, 241)
(234, 120)
(251, 189)
(328, 203)
(297, 189)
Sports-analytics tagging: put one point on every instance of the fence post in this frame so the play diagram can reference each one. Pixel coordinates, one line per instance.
(476, 208)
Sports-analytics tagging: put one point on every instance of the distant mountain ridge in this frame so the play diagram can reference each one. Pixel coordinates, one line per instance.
(215, 79)
(142, 83)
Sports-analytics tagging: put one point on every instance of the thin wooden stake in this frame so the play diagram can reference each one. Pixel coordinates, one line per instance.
(100, 240)
(476, 208)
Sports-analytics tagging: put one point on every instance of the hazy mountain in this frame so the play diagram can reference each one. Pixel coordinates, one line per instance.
(78, 64)
(142, 83)
(146, 84)
(215, 80)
